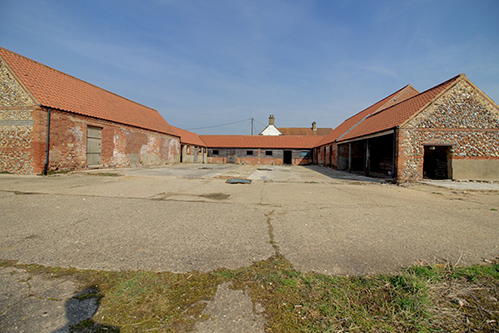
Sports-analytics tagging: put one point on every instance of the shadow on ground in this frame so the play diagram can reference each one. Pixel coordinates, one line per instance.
(336, 174)
(79, 311)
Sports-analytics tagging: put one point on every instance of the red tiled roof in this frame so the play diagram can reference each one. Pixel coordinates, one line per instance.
(189, 137)
(261, 141)
(57, 90)
(304, 131)
(397, 114)
(400, 95)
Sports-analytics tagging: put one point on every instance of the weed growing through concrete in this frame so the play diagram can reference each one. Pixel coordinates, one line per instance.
(420, 299)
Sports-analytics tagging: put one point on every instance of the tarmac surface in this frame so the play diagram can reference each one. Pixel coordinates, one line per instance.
(186, 217)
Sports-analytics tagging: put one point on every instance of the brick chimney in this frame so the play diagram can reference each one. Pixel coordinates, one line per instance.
(271, 120)
(314, 126)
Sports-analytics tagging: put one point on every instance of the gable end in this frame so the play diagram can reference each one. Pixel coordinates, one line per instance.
(11, 92)
(462, 106)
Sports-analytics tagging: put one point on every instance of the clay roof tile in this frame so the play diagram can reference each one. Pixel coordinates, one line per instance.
(397, 114)
(261, 141)
(189, 137)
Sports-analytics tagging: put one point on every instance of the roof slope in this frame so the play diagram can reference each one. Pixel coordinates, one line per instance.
(261, 141)
(57, 90)
(304, 131)
(399, 113)
(400, 95)
(189, 137)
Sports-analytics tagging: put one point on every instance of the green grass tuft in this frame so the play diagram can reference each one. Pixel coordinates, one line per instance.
(294, 301)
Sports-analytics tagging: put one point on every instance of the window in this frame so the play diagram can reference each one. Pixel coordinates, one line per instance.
(268, 153)
(249, 152)
(215, 151)
(305, 154)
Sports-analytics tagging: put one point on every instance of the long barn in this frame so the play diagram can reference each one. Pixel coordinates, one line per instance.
(50, 120)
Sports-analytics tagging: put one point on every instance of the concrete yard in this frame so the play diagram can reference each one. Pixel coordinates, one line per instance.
(186, 217)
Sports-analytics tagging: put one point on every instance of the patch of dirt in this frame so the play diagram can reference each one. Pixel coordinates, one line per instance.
(466, 306)
(213, 196)
(216, 196)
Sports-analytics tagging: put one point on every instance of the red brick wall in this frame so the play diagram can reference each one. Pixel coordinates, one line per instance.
(122, 145)
(334, 156)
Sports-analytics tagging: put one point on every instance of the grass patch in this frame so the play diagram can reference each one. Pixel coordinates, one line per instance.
(420, 299)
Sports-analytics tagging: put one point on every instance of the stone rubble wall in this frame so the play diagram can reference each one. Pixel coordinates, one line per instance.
(16, 125)
(462, 118)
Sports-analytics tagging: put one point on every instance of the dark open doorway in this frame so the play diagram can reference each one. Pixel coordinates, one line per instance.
(437, 162)
(287, 157)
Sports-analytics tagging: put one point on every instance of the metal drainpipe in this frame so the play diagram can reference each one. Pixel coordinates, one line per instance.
(45, 169)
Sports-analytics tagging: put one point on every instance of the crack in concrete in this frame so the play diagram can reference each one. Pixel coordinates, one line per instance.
(271, 233)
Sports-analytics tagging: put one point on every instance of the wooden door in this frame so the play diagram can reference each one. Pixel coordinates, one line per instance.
(94, 145)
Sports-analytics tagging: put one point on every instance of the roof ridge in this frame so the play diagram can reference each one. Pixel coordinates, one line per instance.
(421, 93)
(397, 93)
(370, 105)
(380, 109)
(73, 77)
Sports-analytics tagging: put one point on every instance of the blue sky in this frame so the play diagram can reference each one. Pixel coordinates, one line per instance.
(205, 63)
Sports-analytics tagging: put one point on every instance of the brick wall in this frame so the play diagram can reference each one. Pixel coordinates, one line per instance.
(122, 146)
(462, 118)
(189, 154)
(259, 156)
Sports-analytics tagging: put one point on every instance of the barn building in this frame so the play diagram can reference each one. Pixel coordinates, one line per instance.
(193, 149)
(450, 131)
(53, 121)
(260, 149)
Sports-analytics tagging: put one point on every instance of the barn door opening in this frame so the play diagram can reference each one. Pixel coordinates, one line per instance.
(437, 162)
(287, 158)
(94, 145)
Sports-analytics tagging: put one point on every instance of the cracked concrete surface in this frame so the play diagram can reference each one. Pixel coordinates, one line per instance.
(32, 303)
(232, 311)
(186, 218)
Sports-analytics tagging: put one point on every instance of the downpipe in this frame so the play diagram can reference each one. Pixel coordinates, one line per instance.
(45, 169)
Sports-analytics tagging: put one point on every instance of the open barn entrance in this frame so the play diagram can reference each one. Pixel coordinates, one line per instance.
(287, 157)
(372, 156)
(437, 162)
